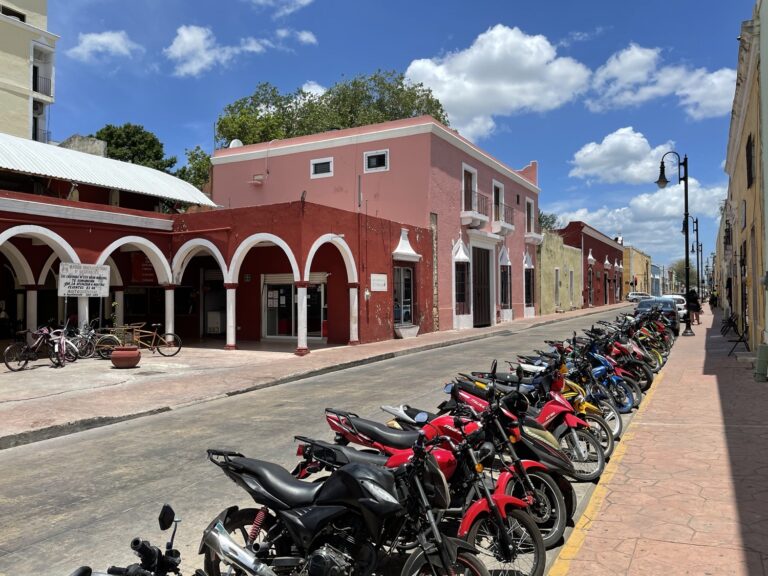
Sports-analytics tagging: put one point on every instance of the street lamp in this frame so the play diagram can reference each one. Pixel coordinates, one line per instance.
(682, 176)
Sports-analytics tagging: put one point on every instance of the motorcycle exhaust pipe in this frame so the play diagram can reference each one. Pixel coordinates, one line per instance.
(230, 552)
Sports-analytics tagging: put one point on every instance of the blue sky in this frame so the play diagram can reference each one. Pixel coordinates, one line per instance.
(595, 91)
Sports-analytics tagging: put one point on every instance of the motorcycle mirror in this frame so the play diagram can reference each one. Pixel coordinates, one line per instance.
(519, 372)
(448, 388)
(494, 364)
(421, 418)
(166, 518)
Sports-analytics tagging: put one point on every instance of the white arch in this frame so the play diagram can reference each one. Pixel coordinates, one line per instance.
(115, 278)
(47, 268)
(189, 250)
(346, 254)
(61, 247)
(250, 242)
(19, 264)
(156, 257)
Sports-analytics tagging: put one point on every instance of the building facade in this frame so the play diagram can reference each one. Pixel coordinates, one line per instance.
(560, 277)
(483, 215)
(637, 271)
(602, 266)
(27, 65)
(657, 276)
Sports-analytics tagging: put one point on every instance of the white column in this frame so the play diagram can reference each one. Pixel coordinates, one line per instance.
(301, 324)
(119, 311)
(169, 308)
(353, 314)
(231, 317)
(32, 308)
(82, 311)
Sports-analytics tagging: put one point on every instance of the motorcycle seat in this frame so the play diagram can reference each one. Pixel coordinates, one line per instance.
(279, 482)
(401, 439)
(341, 455)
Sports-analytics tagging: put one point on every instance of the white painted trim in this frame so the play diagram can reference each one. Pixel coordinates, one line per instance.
(467, 168)
(344, 249)
(428, 127)
(367, 170)
(530, 225)
(189, 250)
(46, 269)
(60, 246)
(19, 264)
(155, 255)
(28, 27)
(314, 162)
(18, 206)
(115, 278)
(496, 184)
(490, 247)
(245, 246)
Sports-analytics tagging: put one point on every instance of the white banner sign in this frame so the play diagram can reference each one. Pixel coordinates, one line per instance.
(378, 282)
(83, 280)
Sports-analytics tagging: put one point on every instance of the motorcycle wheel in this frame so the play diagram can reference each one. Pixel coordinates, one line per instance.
(622, 395)
(549, 511)
(613, 417)
(602, 432)
(466, 563)
(645, 375)
(637, 392)
(529, 556)
(591, 466)
(238, 525)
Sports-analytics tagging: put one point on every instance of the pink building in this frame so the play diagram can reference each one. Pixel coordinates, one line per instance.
(481, 214)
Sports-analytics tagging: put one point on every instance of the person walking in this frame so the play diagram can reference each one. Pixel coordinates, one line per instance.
(693, 306)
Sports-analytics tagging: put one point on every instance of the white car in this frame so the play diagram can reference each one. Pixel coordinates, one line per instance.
(637, 296)
(680, 302)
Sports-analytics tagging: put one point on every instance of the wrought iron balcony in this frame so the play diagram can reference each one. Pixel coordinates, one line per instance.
(503, 219)
(475, 212)
(41, 84)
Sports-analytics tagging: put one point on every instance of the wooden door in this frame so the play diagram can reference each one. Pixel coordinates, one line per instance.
(481, 287)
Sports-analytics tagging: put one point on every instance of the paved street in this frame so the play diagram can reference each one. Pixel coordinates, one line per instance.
(79, 499)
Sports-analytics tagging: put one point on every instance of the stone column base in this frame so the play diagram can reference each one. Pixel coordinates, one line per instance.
(301, 351)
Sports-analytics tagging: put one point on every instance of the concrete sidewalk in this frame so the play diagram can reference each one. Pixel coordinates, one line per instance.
(43, 402)
(686, 491)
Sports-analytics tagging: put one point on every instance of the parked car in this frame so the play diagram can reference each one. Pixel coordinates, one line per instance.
(637, 296)
(668, 308)
(680, 301)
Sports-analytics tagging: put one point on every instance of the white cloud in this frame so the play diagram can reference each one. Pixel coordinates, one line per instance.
(314, 88)
(503, 72)
(302, 36)
(91, 46)
(577, 36)
(634, 76)
(282, 7)
(195, 50)
(622, 156)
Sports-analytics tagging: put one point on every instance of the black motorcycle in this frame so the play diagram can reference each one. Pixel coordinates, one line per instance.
(351, 523)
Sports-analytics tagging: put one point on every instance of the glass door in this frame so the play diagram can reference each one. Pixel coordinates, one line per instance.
(403, 295)
(279, 310)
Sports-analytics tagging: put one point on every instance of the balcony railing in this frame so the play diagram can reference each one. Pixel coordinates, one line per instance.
(41, 85)
(503, 213)
(42, 135)
(482, 205)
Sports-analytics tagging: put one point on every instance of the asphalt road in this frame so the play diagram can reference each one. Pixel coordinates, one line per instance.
(79, 499)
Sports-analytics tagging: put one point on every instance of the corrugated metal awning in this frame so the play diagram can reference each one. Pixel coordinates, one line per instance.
(38, 159)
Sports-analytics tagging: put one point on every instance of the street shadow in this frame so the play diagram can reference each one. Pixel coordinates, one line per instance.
(744, 406)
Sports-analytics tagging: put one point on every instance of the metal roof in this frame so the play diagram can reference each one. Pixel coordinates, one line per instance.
(30, 157)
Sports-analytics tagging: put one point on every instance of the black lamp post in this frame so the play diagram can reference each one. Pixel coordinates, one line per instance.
(682, 176)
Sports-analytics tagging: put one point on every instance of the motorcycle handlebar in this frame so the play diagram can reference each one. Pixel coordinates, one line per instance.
(132, 570)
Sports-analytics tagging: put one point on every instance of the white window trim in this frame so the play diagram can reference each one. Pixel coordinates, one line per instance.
(496, 184)
(312, 163)
(467, 168)
(530, 225)
(367, 170)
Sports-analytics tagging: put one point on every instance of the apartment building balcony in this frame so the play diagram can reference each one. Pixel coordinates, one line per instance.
(475, 210)
(503, 219)
(41, 85)
(534, 238)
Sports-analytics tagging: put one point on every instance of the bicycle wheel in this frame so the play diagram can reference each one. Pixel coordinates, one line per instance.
(168, 344)
(106, 344)
(15, 357)
(71, 352)
(86, 347)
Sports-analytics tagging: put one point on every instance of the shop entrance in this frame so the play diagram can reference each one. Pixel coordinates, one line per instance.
(281, 310)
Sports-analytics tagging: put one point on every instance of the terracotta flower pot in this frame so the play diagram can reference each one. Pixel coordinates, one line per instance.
(125, 356)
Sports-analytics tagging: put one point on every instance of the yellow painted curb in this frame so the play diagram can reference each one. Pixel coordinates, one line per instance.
(576, 539)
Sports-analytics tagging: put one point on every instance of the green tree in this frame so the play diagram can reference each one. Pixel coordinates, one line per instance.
(679, 268)
(198, 167)
(133, 143)
(268, 115)
(548, 221)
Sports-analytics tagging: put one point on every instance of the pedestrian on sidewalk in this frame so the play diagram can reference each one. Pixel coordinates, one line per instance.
(713, 300)
(693, 305)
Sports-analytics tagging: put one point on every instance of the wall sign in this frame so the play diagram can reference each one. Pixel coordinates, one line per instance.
(378, 282)
(83, 280)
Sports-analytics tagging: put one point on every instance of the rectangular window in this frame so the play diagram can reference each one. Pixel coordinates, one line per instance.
(12, 13)
(506, 285)
(469, 188)
(498, 202)
(462, 276)
(750, 157)
(529, 287)
(321, 168)
(377, 161)
(530, 223)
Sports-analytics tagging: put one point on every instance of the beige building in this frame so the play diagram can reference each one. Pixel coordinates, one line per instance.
(560, 275)
(637, 271)
(27, 52)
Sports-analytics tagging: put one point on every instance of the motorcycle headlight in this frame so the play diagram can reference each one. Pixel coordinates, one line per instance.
(379, 493)
(543, 435)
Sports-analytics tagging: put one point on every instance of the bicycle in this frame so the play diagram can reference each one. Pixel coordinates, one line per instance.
(38, 343)
(168, 344)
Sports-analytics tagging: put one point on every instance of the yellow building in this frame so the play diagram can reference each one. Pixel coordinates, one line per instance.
(637, 271)
(27, 53)
(560, 275)
(741, 251)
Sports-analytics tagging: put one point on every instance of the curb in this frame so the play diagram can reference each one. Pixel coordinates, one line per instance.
(41, 434)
